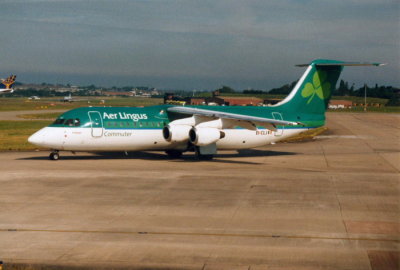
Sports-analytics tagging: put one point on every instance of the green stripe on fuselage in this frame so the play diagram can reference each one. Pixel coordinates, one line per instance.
(156, 117)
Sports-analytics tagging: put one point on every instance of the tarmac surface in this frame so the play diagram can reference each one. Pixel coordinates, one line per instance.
(330, 203)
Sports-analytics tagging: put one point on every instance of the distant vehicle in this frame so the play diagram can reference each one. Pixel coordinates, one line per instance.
(34, 97)
(6, 84)
(203, 130)
(68, 98)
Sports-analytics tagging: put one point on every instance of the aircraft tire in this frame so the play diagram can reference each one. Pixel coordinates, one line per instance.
(174, 153)
(54, 156)
(205, 157)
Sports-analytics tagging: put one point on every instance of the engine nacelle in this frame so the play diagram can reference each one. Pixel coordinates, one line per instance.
(176, 133)
(205, 136)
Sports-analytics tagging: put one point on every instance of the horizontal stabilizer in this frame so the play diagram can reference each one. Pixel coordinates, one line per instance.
(322, 62)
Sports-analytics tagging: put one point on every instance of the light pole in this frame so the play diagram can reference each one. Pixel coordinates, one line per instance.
(365, 97)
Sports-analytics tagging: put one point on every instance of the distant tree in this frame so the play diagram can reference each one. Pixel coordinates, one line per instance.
(394, 100)
(378, 91)
(225, 89)
(253, 92)
(127, 88)
(343, 89)
(283, 90)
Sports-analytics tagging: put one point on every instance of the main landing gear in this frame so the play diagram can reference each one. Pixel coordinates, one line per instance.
(54, 155)
(205, 152)
(174, 153)
(200, 156)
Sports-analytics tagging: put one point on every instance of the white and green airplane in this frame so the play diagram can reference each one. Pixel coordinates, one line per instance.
(202, 129)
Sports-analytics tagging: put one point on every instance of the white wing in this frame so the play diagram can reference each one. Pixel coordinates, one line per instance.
(245, 121)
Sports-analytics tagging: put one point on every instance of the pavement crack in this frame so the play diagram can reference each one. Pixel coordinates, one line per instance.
(242, 235)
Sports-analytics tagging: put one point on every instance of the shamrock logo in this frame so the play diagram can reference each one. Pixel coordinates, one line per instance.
(319, 87)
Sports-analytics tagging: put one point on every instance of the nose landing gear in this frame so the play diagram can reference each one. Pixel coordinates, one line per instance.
(54, 155)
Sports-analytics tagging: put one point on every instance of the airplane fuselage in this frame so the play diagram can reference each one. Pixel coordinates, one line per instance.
(6, 90)
(135, 129)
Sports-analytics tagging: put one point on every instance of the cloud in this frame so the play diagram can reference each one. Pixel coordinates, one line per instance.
(221, 40)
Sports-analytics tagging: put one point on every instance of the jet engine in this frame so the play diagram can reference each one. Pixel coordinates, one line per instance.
(205, 136)
(176, 133)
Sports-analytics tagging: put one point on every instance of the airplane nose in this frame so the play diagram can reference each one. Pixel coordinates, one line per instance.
(33, 139)
(48, 137)
(37, 138)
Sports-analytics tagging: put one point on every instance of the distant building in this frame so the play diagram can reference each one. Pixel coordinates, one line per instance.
(234, 101)
(154, 92)
(340, 104)
(114, 93)
(272, 101)
(377, 105)
(195, 101)
(171, 98)
(146, 95)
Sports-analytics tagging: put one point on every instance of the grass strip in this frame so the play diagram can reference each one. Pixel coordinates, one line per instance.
(40, 116)
(14, 134)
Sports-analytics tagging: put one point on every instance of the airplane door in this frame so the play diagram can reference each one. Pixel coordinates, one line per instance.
(278, 116)
(97, 124)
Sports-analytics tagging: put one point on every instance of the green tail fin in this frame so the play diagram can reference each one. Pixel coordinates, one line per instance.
(311, 95)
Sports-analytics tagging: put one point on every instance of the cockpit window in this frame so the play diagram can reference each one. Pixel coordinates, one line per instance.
(59, 121)
(69, 122)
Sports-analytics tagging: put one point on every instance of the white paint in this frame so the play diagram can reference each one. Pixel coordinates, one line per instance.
(81, 139)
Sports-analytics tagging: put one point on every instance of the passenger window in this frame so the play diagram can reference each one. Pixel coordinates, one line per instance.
(77, 122)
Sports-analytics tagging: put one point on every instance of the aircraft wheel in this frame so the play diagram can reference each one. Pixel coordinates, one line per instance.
(174, 153)
(205, 157)
(54, 156)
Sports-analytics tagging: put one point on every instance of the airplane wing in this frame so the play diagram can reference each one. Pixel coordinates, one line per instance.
(245, 121)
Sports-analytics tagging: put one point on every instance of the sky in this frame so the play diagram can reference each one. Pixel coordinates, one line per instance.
(196, 44)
